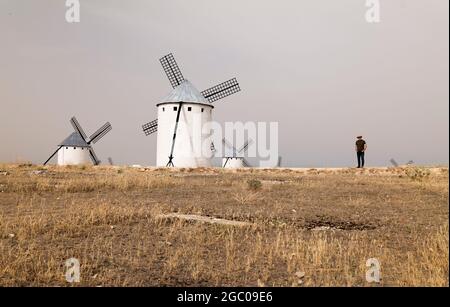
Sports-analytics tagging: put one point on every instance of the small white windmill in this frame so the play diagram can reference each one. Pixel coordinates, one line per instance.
(77, 149)
(236, 158)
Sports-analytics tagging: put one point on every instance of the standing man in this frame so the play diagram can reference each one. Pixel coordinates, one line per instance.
(361, 147)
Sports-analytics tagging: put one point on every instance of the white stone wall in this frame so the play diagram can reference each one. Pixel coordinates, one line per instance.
(74, 156)
(192, 148)
(233, 162)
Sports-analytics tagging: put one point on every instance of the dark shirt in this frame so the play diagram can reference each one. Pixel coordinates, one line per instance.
(360, 145)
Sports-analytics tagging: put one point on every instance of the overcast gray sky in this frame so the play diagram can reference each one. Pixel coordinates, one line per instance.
(315, 66)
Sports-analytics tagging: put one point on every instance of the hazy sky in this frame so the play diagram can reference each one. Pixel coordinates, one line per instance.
(315, 66)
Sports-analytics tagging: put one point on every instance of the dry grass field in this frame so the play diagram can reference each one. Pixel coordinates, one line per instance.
(313, 227)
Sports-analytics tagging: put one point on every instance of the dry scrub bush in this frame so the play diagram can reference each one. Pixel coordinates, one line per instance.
(254, 184)
(417, 173)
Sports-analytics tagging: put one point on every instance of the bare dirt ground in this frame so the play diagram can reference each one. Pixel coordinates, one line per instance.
(303, 227)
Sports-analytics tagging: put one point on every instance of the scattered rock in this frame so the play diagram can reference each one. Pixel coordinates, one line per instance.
(324, 228)
(11, 235)
(300, 275)
(329, 223)
(260, 283)
(38, 172)
(276, 181)
(4, 173)
(204, 219)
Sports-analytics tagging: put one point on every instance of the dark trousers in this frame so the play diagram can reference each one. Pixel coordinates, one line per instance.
(360, 155)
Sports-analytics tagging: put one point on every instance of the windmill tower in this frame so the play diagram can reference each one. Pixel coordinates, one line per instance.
(178, 113)
(76, 149)
(236, 159)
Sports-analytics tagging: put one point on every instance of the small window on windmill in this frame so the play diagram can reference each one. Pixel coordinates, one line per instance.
(189, 109)
(203, 110)
(67, 147)
(175, 108)
(164, 109)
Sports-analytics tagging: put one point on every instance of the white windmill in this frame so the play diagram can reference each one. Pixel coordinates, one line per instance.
(179, 113)
(236, 158)
(77, 149)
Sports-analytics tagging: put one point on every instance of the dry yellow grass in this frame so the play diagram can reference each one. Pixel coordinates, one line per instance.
(323, 223)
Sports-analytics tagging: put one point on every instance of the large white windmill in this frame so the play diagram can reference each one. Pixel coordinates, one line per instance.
(235, 159)
(77, 149)
(178, 113)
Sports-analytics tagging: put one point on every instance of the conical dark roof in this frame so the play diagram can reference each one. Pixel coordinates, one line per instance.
(74, 140)
(185, 92)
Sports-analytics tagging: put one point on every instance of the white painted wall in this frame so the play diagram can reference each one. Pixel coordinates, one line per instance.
(74, 156)
(192, 148)
(233, 162)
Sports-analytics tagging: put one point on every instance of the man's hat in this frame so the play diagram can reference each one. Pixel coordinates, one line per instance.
(359, 137)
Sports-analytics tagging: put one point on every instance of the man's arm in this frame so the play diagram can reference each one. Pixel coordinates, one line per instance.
(365, 146)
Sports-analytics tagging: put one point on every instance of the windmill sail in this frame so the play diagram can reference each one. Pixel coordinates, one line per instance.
(221, 90)
(245, 146)
(172, 70)
(94, 158)
(76, 125)
(97, 135)
(150, 127)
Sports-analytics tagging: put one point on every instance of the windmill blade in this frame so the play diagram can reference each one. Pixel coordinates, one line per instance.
(226, 143)
(246, 164)
(221, 90)
(76, 125)
(150, 127)
(279, 161)
(245, 146)
(45, 163)
(94, 158)
(172, 70)
(393, 162)
(97, 135)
